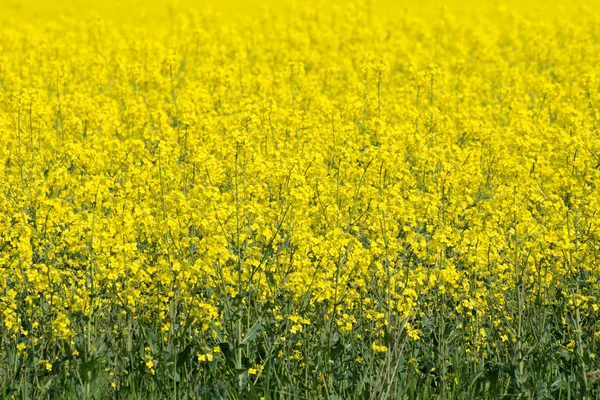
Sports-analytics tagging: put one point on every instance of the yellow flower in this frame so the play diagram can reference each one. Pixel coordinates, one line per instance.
(205, 357)
(378, 348)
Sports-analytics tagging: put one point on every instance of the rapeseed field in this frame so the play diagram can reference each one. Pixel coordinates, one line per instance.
(263, 200)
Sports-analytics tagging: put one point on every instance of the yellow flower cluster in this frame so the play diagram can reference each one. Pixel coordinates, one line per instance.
(322, 159)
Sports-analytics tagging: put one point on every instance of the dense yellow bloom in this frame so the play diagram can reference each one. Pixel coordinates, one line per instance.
(359, 171)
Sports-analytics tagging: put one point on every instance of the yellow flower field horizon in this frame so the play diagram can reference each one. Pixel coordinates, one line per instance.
(131, 11)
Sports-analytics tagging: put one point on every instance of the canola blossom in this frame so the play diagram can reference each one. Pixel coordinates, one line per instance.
(315, 203)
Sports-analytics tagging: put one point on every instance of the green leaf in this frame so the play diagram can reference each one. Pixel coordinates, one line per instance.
(228, 353)
(151, 339)
(564, 353)
(387, 337)
(184, 356)
(252, 333)
(337, 350)
(88, 370)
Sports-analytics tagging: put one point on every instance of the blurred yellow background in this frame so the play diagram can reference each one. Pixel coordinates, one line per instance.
(36, 11)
